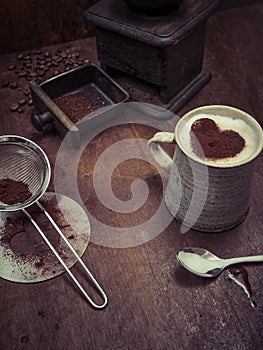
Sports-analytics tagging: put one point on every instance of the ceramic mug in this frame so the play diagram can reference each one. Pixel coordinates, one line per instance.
(210, 192)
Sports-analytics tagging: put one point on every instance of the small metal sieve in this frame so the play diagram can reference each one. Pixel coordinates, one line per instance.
(23, 160)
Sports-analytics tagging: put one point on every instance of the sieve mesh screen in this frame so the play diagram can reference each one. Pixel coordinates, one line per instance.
(22, 160)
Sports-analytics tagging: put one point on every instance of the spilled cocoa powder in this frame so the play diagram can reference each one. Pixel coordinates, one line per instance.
(13, 192)
(20, 236)
(25, 254)
(209, 141)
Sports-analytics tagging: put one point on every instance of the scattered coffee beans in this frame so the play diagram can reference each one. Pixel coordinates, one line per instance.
(14, 107)
(5, 83)
(22, 102)
(13, 84)
(38, 66)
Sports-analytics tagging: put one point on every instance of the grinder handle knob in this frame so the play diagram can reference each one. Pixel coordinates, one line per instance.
(40, 120)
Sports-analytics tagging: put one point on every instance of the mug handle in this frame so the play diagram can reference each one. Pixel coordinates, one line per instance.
(159, 155)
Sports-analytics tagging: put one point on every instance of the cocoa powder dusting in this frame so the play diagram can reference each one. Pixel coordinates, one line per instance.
(13, 192)
(209, 141)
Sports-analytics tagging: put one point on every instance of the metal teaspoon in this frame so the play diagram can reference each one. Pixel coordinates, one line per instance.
(203, 263)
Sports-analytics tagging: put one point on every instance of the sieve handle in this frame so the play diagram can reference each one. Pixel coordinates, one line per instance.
(102, 293)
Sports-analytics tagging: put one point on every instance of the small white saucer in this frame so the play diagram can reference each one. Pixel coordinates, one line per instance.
(20, 263)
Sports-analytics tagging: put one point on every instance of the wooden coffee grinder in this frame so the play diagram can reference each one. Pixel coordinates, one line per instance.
(154, 53)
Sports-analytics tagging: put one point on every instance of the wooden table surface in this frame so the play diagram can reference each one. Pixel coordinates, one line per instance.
(153, 302)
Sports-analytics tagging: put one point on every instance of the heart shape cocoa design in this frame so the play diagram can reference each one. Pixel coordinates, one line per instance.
(209, 141)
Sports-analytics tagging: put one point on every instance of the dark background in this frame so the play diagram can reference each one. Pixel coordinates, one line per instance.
(29, 24)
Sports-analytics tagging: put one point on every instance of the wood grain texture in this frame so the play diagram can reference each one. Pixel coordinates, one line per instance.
(153, 302)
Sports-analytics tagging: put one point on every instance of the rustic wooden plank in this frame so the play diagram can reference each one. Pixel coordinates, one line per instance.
(153, 302)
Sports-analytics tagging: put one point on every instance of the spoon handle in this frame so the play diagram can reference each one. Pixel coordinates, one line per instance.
(244, 259)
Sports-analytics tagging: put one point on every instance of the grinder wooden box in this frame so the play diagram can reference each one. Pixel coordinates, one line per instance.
(166, 51)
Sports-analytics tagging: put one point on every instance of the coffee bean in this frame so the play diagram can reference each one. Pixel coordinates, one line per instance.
(34, 67)
(67, 62)
(12, 67)
(22, 74)
(59, 59)
(5, 83)
(20, 56)
(27, 57)
(54, 63)
(26, 92)
(49, 64)
(33, 74)
(25, 62)
(41, 62)
(30, 102)
(24, 339)
(14, 107)
(41, 73)
(22, 102)
(20, 110)
(47, 54)
(13, 84)
(56, 72)
(63, 54)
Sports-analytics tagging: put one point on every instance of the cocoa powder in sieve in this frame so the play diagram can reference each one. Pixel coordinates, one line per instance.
(209, 141)
(13, 192)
